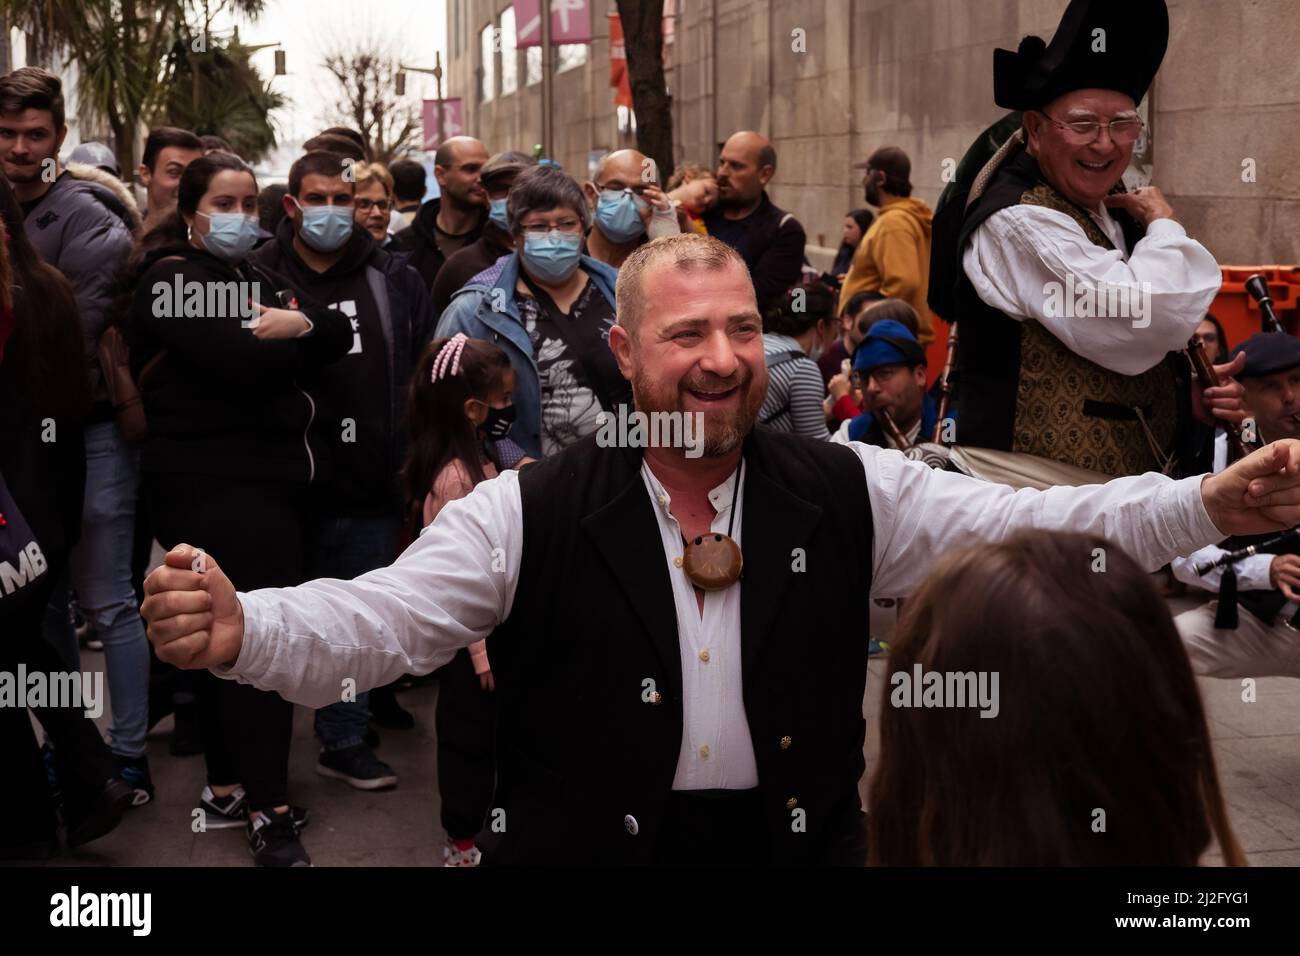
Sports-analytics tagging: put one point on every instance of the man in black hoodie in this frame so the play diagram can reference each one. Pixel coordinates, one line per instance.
(456, 218)
(358, 506)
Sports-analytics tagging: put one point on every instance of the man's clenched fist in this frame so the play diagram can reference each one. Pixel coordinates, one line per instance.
(192, 615)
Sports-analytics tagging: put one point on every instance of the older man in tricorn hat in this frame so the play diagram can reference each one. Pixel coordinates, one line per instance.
(1071, 294)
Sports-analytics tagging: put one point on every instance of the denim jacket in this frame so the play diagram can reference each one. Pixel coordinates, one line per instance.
(485, 309)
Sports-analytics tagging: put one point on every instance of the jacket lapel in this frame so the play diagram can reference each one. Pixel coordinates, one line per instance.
(626, 534)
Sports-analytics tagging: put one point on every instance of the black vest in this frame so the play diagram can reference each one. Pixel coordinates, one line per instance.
(1023, 390)
(588, 664)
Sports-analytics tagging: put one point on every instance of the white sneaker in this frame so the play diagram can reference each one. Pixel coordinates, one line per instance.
(454, 857)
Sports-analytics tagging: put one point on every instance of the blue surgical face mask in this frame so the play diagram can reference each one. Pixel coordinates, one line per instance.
(498, 214)
(230, 234)
(325, 228)
(618, 214)
(552, 258)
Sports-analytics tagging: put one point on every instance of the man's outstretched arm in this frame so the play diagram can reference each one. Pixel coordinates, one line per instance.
(450, 588)
(921, 514)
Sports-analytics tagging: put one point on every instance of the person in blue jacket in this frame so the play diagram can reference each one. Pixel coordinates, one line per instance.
(550, 308)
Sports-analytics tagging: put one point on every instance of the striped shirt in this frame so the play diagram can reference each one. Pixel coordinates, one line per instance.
(795, 389)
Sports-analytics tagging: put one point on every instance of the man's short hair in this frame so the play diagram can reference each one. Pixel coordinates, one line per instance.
(767, 157)
(409, 180)
(347, 133)
(687, 251)
(858, 300)
(317, 163)
(541, 189)
(898, 310)
(31, 88)
(210, 142)
(334, 143)
(164, 137)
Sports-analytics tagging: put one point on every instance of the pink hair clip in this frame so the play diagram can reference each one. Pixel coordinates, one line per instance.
(448, 357)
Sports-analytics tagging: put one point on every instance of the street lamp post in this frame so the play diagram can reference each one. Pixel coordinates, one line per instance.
(436, 73)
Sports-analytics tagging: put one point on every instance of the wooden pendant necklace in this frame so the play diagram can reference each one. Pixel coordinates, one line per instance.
(713, 561)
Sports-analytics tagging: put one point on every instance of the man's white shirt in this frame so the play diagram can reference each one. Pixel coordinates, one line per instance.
(1018, 251)
(457, 582)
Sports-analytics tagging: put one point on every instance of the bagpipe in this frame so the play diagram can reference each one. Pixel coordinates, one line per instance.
(1226, 616)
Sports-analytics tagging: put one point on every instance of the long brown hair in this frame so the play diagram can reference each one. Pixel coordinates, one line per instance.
(46, 350)
(435, 412)
(1097, 711)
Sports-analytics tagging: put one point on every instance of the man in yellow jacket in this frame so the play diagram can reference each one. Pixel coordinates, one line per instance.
(894, 256)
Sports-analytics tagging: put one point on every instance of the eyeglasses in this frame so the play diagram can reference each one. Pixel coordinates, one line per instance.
(1124, 130)
(365, 205)
(638, 189)
(542, 228)
(882, 375)
(470, 168)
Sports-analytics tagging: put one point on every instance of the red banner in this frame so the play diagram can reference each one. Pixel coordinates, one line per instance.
(453, 124)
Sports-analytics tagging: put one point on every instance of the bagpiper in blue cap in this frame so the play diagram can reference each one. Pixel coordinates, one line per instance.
(887, 342)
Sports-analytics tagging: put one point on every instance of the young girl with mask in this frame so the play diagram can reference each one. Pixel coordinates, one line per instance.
(220, 379)
(460, 412)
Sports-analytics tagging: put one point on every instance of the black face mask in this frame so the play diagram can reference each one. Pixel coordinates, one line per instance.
(497, 424)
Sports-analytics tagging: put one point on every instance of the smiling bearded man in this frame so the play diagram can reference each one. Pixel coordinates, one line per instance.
(661, 700)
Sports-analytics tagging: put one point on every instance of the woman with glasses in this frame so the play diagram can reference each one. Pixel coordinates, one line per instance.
(550, 308)
(373, 201)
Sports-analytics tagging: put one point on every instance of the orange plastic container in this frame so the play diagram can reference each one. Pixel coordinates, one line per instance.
(1240, 314)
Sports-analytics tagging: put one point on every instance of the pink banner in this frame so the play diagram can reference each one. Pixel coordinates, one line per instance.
(452, 122)
(570, 22)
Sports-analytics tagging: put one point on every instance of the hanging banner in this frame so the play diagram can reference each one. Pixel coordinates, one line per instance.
(570, 22)
(452, 122)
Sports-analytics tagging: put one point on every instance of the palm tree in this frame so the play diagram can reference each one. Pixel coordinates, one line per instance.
(122, 48)
(218, 91)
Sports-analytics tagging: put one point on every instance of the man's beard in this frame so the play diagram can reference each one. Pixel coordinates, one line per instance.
(723, 431)
(732, 201)
(872, 195)
(13, 176)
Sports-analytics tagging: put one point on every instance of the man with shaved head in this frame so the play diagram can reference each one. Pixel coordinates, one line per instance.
(769, 239)
(622, 197)
(456, 218)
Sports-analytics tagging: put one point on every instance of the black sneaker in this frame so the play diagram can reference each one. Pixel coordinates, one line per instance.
(371, 738)
(135, 771)
(387, 712)
(358, 766)
(101, 816)
(224, 813)
(273, 840)
(301, 816)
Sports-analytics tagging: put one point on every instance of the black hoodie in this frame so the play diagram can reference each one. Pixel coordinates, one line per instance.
(363, 394)
(420, 239)
(219, 400)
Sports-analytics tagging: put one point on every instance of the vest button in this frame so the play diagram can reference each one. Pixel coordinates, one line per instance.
(656, 698)
(629, 822)
(785, 743)
(704, 656)
(791, 803)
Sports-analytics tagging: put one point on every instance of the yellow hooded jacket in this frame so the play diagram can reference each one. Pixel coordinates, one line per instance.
(893, 259)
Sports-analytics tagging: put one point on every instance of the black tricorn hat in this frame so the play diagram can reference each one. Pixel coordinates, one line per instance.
(1099, 44)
